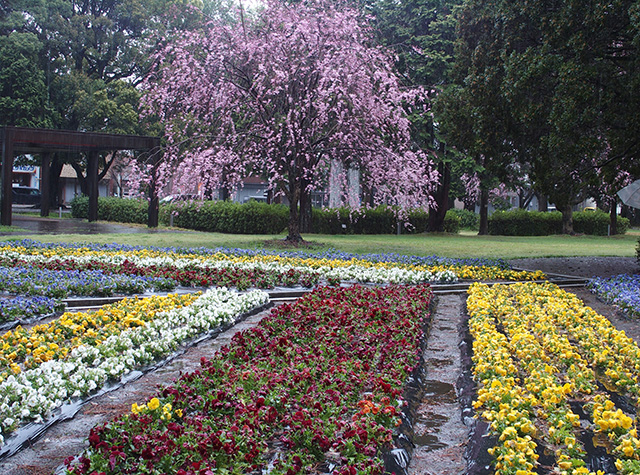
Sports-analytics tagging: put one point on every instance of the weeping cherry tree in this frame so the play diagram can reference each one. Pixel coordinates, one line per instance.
(282, 94)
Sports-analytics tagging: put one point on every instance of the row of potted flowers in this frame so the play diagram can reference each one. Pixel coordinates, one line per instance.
(316, 386)
(334, 268)
(622, 291)
(538, 353)
(25, 308)
(29, 280)
(78, 353)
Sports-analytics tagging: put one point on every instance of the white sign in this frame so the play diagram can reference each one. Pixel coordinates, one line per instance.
(24, 169)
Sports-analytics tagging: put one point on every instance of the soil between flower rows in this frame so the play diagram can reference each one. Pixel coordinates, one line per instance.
(68, 438)
(440, 435)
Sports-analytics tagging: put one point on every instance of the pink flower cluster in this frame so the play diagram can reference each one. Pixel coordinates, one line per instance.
(281, 94)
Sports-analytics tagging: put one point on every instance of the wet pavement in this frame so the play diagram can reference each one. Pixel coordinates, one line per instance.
(440, 434)
(39, 225)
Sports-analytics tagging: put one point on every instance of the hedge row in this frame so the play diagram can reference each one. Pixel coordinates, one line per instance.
(119, 210)
(519, 222)
(258, 218)
(380, 220)
(226, 217)
(261, 218)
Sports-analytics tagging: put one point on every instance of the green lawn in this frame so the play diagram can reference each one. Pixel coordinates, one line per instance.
(465, 244)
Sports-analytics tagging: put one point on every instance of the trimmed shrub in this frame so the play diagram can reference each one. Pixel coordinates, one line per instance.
(452, 223)
(468, 219)
(123, 210)
(80, 207)
(379, 220)
(227, 216)
(597, 223)
(120, 210)
(518, 222)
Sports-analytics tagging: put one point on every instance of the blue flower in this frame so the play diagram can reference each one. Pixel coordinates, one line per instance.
(621, 290)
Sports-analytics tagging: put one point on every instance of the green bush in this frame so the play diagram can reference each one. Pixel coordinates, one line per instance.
(227, 217)
(120, 210)
(519, 222)
(468, 219)
(80, 207)
(380, 220)
(597, 223)
(123, 210)
(638, 252)
(259, 218)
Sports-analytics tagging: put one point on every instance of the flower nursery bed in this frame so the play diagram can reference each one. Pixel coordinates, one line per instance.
(557, 384)
(244, 268)
(622, 291)
(316, 387)
(63, 362)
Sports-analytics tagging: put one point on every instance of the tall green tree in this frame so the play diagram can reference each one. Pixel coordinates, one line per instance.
(76, 65)
(421, 33)
(23, 95)
(558, 79)
(475, 114)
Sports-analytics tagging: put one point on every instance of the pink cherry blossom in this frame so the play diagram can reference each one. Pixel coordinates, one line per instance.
(282, 94)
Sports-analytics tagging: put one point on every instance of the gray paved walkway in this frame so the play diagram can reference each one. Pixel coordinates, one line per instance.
(38, 225)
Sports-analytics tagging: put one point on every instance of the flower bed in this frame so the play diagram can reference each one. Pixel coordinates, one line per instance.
(25, 308)
(62, 283)
(316, 387)
(78, 353)
(207, 266)
(623, 291)
(541, 359)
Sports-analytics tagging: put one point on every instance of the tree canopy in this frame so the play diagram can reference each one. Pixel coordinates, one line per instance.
(282, 95)
(548, 88)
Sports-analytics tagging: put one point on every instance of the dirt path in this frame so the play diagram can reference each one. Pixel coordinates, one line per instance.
(68, 438)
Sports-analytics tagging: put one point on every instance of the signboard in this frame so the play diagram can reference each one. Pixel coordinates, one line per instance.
(24, 169)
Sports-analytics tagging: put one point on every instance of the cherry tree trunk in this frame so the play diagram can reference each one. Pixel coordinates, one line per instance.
(294, 235)
(306, 219)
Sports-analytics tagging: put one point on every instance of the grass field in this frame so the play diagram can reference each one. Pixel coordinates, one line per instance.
(465, 244)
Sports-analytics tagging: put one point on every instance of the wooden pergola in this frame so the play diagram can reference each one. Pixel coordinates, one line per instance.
(20, 140)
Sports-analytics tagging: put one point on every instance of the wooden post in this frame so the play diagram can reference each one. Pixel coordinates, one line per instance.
(154, 204)
(7, 176)
(45, 185)
(92, 185)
